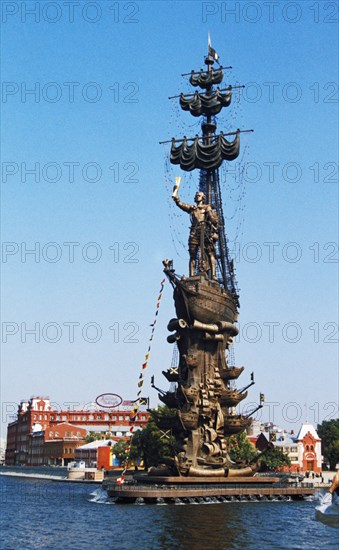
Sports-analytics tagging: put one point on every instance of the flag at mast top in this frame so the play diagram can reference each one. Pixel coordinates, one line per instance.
(211, 51)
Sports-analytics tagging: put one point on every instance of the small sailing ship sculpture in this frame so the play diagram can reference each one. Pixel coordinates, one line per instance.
(207, 301)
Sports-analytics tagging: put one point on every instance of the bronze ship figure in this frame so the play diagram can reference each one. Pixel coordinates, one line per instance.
(207, 300)
(202, 400)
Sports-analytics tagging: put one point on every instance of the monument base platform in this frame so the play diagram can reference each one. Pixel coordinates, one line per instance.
(175, 490)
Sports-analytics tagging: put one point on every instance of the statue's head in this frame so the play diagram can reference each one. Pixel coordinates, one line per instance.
(199, 197)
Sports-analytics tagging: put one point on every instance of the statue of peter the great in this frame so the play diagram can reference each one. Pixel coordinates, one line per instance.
(203, 233)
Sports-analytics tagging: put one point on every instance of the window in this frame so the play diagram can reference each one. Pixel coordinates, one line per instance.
(58, 417)
(307, 448)
(56, 434)
(51, 434)
(99, 417)
(52, 416)
(66, 434)
(64, 417)
(143, 418)
(312, 448)
(114, 417)
(121, 417)
(106, 416)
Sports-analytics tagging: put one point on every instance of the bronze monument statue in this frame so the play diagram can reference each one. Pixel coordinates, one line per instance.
(202, 397)
(204, 400)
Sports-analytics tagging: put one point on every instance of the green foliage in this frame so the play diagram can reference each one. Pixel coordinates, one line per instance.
(94, 436)
(120, 449)
(128, 449)
(153, 444)
(328, 432)
(241, 450)
(273, 458)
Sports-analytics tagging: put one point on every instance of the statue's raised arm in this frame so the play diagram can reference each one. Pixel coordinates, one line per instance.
(186, 207)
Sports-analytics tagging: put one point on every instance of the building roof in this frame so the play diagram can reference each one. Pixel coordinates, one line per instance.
(98, 443)
(285, 440)
(107, 428)
(305, 428)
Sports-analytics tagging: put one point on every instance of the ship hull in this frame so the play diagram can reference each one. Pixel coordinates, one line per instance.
(235, 424)
(231, 398)
(204, 301)
(232, 373)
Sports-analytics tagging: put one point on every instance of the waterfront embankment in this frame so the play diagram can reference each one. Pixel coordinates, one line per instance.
(43, 473)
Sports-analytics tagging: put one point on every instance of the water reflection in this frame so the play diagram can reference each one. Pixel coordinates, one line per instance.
(214, 526)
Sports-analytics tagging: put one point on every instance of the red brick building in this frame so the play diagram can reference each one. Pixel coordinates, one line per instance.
(55, 446)
(309, 449)
(41, 432)
(303, 450)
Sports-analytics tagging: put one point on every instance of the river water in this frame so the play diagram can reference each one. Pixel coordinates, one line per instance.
(40, 514)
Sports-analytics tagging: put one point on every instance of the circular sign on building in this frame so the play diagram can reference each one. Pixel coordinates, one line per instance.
(108, 400)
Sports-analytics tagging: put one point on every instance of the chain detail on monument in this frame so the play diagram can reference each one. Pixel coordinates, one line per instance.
(206, 302)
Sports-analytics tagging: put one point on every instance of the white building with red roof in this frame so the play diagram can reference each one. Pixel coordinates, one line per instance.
(309, 449)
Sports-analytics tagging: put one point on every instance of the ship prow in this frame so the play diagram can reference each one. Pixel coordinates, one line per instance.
(202, 299)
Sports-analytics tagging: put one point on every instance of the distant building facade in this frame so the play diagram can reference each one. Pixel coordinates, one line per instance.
(99, 454)
(43, 435)
(303, 449)
(54, 447)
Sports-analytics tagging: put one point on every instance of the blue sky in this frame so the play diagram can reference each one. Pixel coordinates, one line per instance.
(101, 79)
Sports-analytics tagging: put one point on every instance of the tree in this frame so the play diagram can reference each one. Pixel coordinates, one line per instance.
(155, 445)
(328, 432)
(152, 445)
(121, 449)
(128, 448)
(273, 458)
(94, 436)
(241, 450)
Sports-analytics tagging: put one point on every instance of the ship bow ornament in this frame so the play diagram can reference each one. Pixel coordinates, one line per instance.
(203, 397)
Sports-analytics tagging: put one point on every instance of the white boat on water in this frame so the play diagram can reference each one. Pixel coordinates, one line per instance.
(328, 510)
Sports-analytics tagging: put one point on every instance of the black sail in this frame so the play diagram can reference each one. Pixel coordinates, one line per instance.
(206, 79)
(203, 104)
(204, 157)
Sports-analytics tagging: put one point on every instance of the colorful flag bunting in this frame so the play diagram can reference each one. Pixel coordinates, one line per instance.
(141, 401)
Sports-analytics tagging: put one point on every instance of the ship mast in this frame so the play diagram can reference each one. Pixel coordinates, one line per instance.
(209, 184)
(206, 153)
